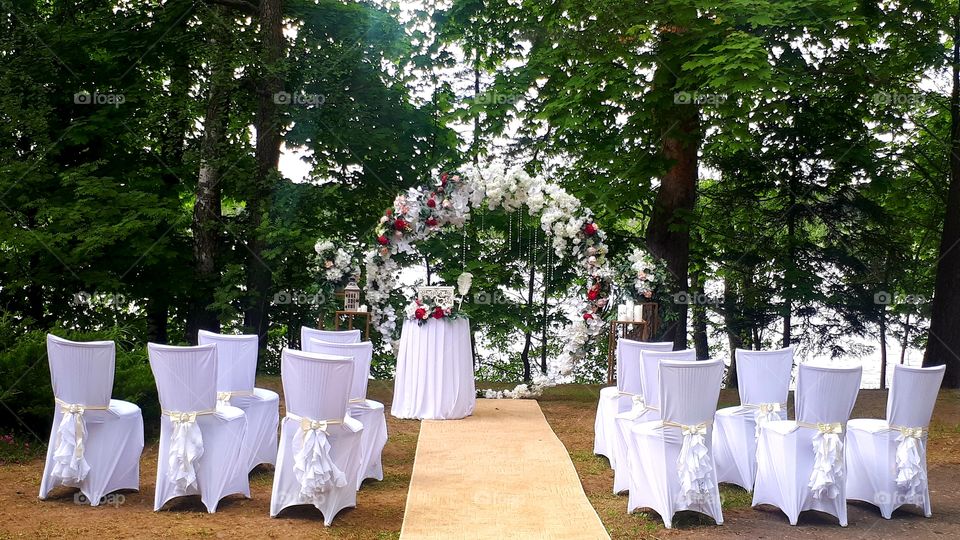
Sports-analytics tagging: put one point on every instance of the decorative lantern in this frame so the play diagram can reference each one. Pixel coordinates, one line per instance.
(351, 296)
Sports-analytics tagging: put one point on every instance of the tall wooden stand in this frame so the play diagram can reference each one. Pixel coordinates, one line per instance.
(644, 330)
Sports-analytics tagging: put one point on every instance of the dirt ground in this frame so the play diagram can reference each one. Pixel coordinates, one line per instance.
(570, 411)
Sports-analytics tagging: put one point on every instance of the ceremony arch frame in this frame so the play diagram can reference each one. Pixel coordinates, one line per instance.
(422, 212)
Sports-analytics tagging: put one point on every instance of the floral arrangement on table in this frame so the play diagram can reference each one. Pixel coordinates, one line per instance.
(423, 211)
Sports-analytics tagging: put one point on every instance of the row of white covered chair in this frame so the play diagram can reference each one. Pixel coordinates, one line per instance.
(216, 426)
(670, 447)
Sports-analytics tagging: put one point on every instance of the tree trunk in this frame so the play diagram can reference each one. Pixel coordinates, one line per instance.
(904, 343)
(883, 346)
(943, 345)
(789, 270)
(700, 341)
(267, 156)
(207, 209)
(731, 320)
(668, 232)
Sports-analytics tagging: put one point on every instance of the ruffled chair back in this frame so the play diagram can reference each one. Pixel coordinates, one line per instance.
(628, 362)
(362, 355)
(81, 373)
(236, 359)
(331, 336)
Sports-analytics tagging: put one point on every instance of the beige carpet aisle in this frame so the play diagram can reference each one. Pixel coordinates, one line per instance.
(501, 473)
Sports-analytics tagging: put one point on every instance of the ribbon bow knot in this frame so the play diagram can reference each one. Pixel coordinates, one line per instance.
(911, 433)
(183, 417)
(695, 429)
(224, 396)
(638, 401)
(307, 424)
(835, 428)
(769, 408)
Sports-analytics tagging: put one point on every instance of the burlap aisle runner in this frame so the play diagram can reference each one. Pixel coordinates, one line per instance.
(501, 473)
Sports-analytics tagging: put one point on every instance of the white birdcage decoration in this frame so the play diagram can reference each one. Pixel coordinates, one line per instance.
(351, 296)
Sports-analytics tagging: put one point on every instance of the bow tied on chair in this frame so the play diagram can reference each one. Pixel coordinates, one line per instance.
(71, 467)
(909, 457)
(186, 447)
(765, 412)
(828, 460)
(313, 465)
(693, 463)
(223, 398)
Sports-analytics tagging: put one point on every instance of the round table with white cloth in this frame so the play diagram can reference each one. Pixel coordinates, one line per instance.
(434, 379)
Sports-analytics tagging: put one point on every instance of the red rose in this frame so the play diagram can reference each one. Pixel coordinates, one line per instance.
(389, 212)
(590, 229)
(400, 225)
(592, 294)
(432, 221)
(443, 179)
(431, 203)
(587, 316)
(420, 313)
(383, 240)
(438, 312)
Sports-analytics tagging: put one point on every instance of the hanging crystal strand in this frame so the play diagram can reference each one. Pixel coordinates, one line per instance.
(463, 249)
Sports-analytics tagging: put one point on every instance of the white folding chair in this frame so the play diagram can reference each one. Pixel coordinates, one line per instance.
(330, 336)
(763, 381)
(642, 380)
(236, 376)
(200, 442)
(613, 400)
(887, 459)
(800, 464)
(671, 468)
(319, 442)
(96, 442)
(369, 412)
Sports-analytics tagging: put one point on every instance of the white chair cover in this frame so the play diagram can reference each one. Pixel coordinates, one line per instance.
(330, 336)
(96, 442)
(236, 374)
(641, 380)
(200, 442)
(370, 413)
(763, 380)
(319, 442)
(887, 459)
(800, 464)
(671, 468)
(612, 402)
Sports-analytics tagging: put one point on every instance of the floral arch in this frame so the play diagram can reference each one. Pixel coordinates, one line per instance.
(423, 211)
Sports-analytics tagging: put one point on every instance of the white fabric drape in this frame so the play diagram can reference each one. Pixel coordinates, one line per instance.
(886, 459)
(434, 378)
(800, 464)
(95, 442)
(694, 466)
(71, 467)
(670, 460)
(314, 468)
(613, 399)
(827, 471)
(320, 454)
(201, 444)
(186, 447)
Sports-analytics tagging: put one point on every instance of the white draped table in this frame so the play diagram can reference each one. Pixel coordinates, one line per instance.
(434, 378)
